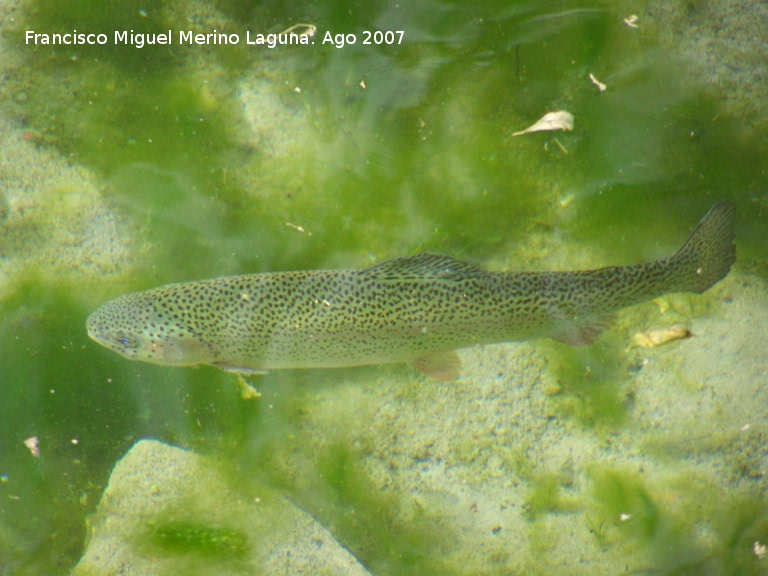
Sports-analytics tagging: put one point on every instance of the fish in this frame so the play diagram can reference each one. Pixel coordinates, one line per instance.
(416, 309)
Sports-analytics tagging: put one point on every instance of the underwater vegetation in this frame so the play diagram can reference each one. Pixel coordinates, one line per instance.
(331, 484)
(48, 497)
(180, 537)
(590, 383)
(433, 155)
(683, 525)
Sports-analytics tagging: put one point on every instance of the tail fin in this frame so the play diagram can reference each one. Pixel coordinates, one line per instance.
(707, 255)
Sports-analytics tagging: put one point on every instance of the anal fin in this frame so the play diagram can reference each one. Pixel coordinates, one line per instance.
(240, 370)
(443, 366)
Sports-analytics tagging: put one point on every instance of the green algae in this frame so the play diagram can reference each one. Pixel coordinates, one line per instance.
(5, 209)
(180, 537)
(470, 125)
(681, 525)
(114, 119)
(545, 496)
(116, 106)
(625, 501)
(390, 531)
(331, 484)
(367, 521)
(591, 383)
(121, 110)
(43, 380)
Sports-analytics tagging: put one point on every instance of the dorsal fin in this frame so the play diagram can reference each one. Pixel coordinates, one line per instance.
(424, 266)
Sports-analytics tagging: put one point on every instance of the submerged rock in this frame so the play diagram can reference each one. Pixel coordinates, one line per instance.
(168, 511)
(54, 222)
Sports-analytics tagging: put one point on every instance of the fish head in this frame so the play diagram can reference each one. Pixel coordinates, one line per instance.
(136, 327)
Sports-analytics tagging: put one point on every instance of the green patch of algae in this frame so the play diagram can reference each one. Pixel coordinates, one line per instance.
(180, 537)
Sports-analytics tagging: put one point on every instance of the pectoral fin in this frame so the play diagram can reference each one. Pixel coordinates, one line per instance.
(581, 333)
(441, 366)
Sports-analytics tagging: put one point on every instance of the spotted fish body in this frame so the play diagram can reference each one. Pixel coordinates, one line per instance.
(416, 309)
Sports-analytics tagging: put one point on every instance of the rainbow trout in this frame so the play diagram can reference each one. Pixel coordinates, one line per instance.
(416, 309)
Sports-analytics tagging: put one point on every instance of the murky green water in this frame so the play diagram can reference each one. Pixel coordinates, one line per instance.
(234, 159)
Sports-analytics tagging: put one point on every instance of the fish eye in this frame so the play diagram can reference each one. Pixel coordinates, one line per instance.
(125, 340)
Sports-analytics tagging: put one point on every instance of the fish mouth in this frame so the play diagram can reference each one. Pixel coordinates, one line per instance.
(95, 333)
(97, 336)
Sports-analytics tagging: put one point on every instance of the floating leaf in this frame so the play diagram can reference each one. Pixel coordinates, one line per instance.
(34, 446)
(560, 120)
